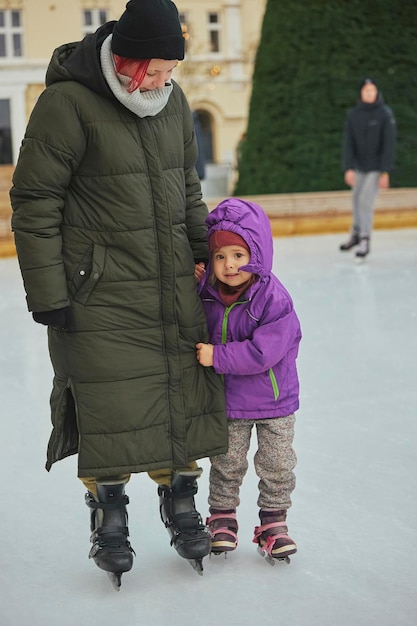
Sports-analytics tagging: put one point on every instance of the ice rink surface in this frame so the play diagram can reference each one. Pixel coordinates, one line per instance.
(354, 514)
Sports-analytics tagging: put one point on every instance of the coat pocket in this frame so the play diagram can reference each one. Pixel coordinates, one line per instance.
(274, 384)
(88, 274)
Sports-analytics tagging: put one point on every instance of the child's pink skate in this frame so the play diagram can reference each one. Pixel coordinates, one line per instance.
(272, 537)
(223, 529)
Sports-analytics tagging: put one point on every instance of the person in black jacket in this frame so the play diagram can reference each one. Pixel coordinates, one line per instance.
(368, 158)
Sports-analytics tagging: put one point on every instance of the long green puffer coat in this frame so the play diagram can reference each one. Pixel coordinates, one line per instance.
(108, 219)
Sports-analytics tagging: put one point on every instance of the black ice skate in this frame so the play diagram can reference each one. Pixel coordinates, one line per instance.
(189, 535)
(111, 549)
(363, 249)
(351, 242)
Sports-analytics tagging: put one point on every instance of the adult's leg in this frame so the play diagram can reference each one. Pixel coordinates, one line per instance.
(164, 476)
(111, 550)
(364, 202)
(91, 483)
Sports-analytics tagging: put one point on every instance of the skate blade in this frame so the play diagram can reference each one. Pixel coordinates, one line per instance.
(219, 552)
(197, 565)
(115, 579)
(270, 559)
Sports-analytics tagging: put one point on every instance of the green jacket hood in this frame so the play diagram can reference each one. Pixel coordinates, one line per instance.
(80, 61)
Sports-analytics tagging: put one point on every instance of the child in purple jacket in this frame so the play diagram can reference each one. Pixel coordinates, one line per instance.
(254, 336)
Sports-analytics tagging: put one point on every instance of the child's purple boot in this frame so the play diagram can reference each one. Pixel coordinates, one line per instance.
(223, 528)
(272, 536)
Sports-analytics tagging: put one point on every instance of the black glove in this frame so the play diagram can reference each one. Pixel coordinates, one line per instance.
(56, 318)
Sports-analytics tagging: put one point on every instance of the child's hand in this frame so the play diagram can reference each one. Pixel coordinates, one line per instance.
(199, 271)
(205, 354)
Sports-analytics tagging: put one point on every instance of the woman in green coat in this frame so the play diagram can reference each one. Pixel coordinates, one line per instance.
(109, 224)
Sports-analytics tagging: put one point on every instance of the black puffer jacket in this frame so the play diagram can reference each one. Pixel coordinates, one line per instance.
(369, 138)
(109, 220)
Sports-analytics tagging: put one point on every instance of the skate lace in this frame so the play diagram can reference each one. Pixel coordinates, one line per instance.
(268, 541)
(111, 537)
(220, 522)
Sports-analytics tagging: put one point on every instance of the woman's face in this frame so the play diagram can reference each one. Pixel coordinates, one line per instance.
(157, 75)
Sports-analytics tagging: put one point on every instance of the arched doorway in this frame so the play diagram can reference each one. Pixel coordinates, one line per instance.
(215, 180)
(6, 150)
(206, 134)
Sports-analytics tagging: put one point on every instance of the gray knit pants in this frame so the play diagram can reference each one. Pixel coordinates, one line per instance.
(274, 462)
(364, 195)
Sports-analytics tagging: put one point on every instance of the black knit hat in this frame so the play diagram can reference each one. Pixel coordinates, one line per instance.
(149, 29)
(367, 81)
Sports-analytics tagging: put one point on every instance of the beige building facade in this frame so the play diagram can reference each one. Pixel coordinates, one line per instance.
(221, 42)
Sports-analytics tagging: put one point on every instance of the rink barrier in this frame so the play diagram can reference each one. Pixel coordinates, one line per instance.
(323, 212)
(290, 214)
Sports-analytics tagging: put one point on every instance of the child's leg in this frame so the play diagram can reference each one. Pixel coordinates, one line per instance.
(275, 461)
(228, 470)
(226, 476)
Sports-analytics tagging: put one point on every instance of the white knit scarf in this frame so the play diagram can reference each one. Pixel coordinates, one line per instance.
(143, 104)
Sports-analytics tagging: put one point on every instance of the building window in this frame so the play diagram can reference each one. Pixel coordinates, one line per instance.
(214, 32)
(92, 19)
(11, 34)
(6, 156)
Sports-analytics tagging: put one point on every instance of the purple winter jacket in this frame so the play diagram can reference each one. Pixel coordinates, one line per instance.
(255, 339)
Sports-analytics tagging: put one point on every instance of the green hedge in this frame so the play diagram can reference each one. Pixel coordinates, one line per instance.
(311, 58)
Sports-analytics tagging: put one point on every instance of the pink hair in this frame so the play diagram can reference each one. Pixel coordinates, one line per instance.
(140, 68)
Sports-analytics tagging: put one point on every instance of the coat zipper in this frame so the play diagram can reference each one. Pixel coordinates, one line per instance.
(272, 377)
(226, 317)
